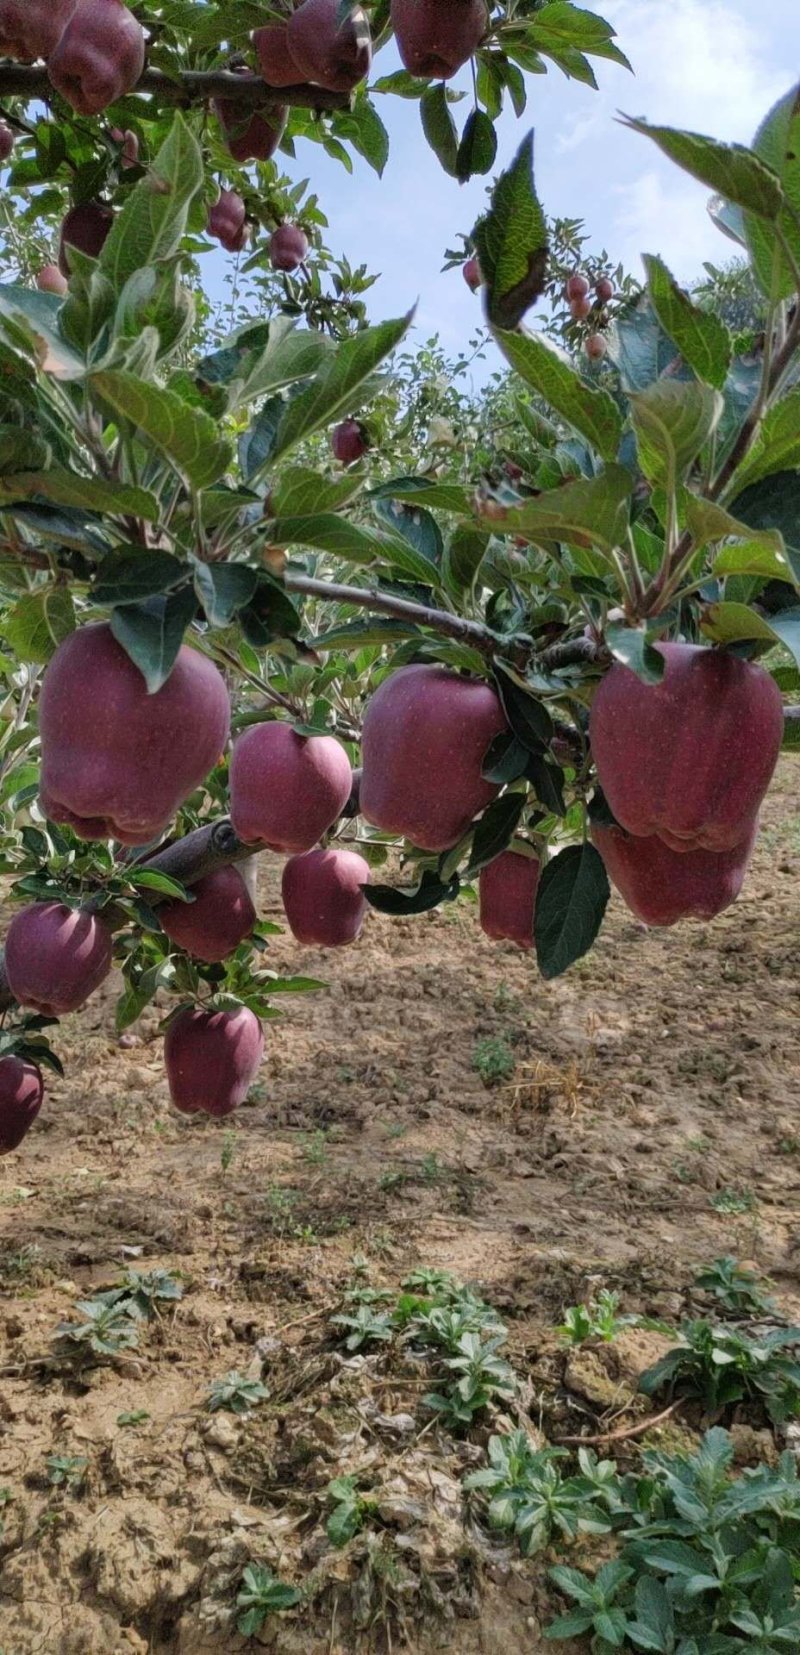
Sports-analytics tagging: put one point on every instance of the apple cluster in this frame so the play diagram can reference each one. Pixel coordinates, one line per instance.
(683, 763)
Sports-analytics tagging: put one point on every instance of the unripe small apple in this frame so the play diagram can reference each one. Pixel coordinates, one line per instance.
(323, 896)
(6, 142)
(130, 146)
(275, 62)
(216, 922)
(472, 274)
(576, 287)
(50, 280)
(604, 290)
(100, 56)
(86, 227)
(288, 247)
(580, 309)
(349, 441)
(212, 1059)
(596, 347)
(55, 957)
(21, 1093)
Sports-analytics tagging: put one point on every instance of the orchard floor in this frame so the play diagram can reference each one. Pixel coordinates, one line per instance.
(651, 1124)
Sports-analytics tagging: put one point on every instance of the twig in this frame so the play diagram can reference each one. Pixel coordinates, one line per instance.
(385, 603)
(637, 1430)
(191, 87)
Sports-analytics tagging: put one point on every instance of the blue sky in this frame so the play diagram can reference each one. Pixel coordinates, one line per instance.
(712, 65)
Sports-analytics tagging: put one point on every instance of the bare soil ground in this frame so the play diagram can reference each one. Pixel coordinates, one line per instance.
(650, 1124)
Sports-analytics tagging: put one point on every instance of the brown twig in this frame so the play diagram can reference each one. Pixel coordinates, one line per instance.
(473, 633)
(637, 1430)
(191, 87)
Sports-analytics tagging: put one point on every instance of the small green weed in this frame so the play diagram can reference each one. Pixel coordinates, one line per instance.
(235, 1393)
(721, 1365)
(261, 1594)
(736, 1289)
(350, 1511)
(596, 1320)
(493, 1060)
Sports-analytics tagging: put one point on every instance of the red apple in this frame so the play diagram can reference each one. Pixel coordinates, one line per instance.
(323, 895)
(286, 790)
(507, 895)
(86, 227)
(349, 441)
(604, 290)
(425, 735)
(55, 957)
(436, 37)
(251, 135)
(596, 347)
(576, 287)
(580, 309)
(227, 221)
(115, 761)
(689, 758)
(6, 142)
(662, 886)
(31, 29)
(100, 56)
(275, 62)
(472, 274)
(212, 1059)
(213, 925)
(329, 53)
(288, 246)
(21, 1093)
(50, 280)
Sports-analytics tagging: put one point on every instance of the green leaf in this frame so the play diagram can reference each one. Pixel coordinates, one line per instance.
(423, 491)
(495, 829)
(730, 169)
(570, 903)
(65, 488)
(272, 355)
(151, 880)
(21, 449)
(185, 435)
(673, 420)
(326, 532)
(590, 411)
(151, 633)
(729, 623)
(753, 557)
(224, 589)
(462, 558)
(130, 575)
(631, 645)
(38, 623)
(528, 717)
(777, 142)
(431, 890)
(300, 492)
(700, 336)
(364, 129)
(777, 445)
(29, 322)
(773, 505)
(361, 634)
(415, 526)
(153, 221)
(709, 522)
(595, 509)
(439, 127)
(570, 1625)
(511, 243)
(478, 147)
(331, 392)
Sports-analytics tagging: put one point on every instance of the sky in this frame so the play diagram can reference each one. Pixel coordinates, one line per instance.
(714, 66)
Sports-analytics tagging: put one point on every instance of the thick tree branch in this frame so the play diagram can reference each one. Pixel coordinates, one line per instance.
(191, 87)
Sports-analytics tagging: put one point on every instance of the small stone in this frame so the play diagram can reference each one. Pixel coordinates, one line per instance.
(221, 1433)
